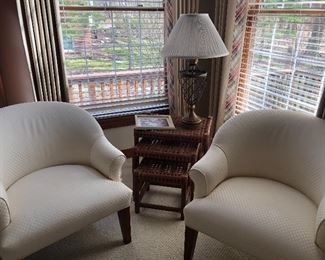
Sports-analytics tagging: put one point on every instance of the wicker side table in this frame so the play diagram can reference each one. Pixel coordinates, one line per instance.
(167, 156)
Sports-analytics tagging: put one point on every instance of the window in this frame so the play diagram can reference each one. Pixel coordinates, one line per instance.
(283, 62)
(112, 55)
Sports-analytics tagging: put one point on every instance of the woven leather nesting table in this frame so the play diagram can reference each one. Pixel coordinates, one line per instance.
(164, 157)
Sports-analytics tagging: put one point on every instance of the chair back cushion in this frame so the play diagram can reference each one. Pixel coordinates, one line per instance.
(43, 134)
(285, 146)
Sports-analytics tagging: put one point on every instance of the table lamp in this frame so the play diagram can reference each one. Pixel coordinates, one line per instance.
(193, 37)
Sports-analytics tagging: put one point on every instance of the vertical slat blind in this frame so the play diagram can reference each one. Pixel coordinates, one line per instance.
(283, 63)
(112, 55)
(39, 20)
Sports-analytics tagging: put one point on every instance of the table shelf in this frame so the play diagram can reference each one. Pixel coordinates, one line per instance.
(160, 172)
(162, 149)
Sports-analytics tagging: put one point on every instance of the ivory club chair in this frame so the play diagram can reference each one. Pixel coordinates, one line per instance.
(58, 174)
(261, 185)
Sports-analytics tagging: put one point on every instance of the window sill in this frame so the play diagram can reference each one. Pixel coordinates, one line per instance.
(107, 122)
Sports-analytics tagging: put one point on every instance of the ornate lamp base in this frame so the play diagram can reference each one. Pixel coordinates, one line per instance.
(193, 82)
(191, 119)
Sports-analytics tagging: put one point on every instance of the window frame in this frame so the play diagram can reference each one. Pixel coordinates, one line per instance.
(107, 122)
(251, 13)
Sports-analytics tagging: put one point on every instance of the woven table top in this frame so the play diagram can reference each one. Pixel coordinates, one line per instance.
(180, 133)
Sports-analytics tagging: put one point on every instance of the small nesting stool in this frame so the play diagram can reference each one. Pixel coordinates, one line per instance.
(164, 157)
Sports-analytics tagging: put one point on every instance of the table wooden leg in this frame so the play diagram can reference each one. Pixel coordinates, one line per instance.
(183, 199)
(192, 189)
(136, 195)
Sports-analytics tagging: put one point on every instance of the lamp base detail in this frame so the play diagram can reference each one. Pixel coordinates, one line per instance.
(191, 119)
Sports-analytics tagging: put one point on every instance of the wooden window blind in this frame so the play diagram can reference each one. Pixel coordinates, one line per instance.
(283, 62)
(112, 55)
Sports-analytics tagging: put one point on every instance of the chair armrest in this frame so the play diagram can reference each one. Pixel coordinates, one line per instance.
(209, 171)
(4, 209)
(320, 225)
(107, 158)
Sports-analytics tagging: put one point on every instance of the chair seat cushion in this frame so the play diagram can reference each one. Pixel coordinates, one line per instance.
(264, 218)
(51, 203)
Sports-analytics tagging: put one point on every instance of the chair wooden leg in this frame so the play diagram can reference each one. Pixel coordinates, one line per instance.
(190, 242)
(125, 224)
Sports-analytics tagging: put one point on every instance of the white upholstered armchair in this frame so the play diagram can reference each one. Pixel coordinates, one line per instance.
(58, 173)
(261, 185)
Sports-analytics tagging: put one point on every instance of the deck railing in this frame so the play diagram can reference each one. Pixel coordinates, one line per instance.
(100, 88)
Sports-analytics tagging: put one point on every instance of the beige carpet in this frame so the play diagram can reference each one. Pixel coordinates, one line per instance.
(155, 235)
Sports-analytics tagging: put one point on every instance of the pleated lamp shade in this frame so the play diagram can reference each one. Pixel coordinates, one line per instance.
(194, 36)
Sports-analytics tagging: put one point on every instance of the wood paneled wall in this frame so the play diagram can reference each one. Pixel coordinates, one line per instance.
(14, 71)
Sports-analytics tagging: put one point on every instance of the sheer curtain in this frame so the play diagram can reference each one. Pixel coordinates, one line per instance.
(215, 97)
(234, 38)
(41, 31)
